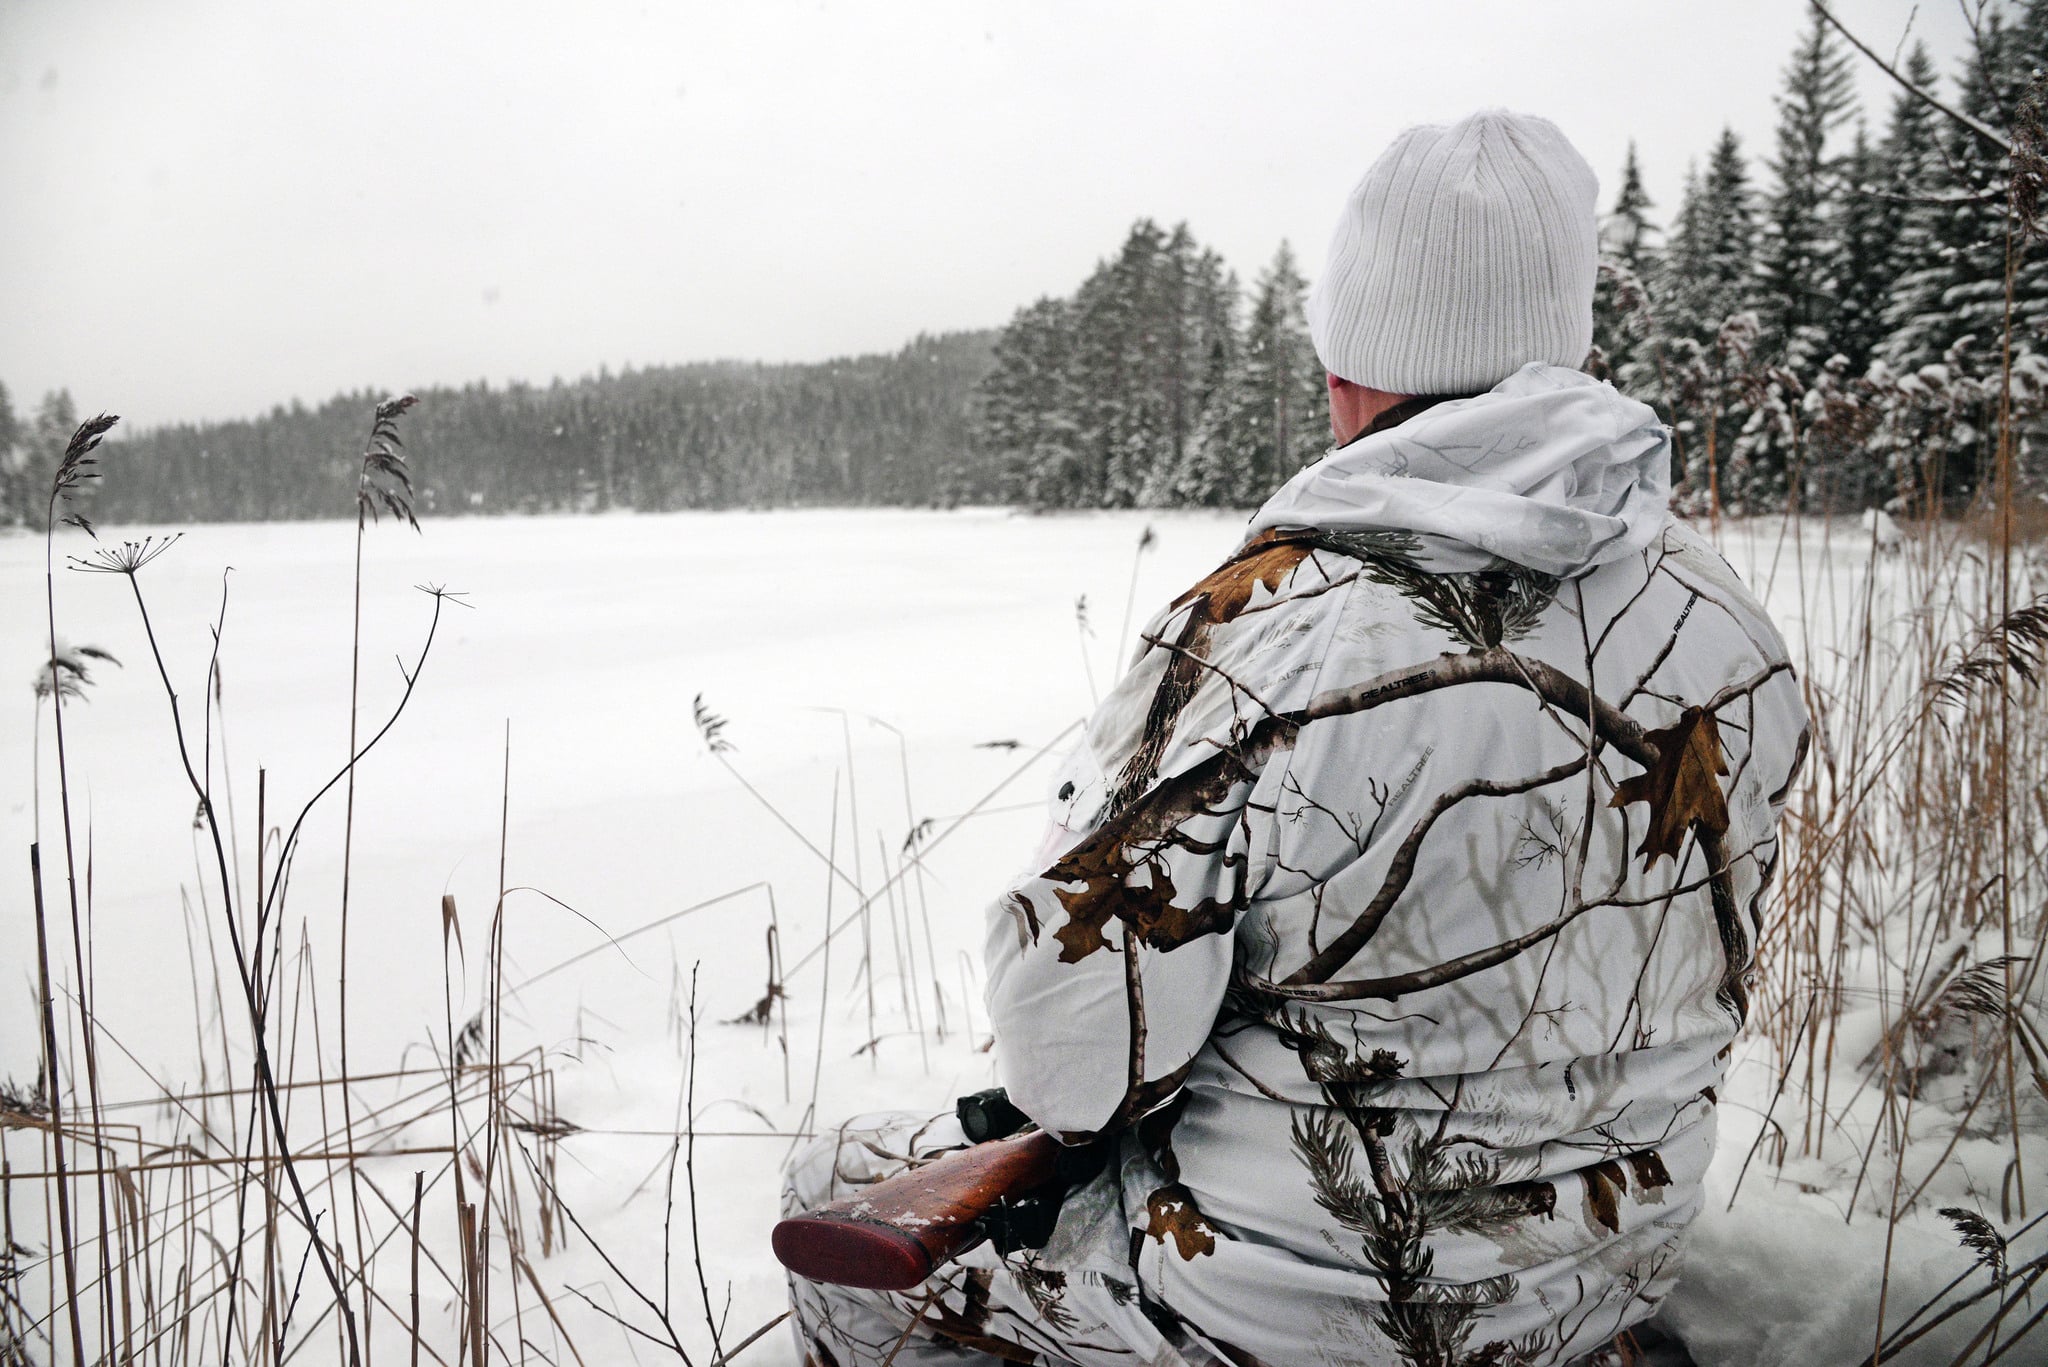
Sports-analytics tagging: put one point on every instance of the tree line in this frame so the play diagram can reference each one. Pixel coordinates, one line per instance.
(1828, 334)
(893, 429)
(1145, 388)
(1833, 332)
(1825, 331)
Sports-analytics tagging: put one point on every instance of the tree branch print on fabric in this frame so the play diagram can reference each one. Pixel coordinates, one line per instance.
(1339, 779)
(1482, 610)
(1265, 563)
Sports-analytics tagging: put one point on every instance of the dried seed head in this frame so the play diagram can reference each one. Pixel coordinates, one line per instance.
(76, 467)
(710, 726)
(1980, 1237)
(126, 558)
(385, 485)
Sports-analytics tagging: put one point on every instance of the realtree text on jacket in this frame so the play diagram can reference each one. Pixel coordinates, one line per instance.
(1399, 902)
(1395, 916)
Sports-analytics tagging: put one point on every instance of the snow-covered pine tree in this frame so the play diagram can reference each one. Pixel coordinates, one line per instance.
(1216, 333)
(1708, 274)
(1705, 284)
(1152, 339)
(1210, 347)
(1628, 255)
(1949, 307)
(1101, 400)
(1302, 404)
(1917, 181)
(17, 502)
(1270, 419)
(1124, 409)
(1180, 356)
(2030, 285)
(1027, 415)
(1846, 472)
(1795, 280)
(1866, 257)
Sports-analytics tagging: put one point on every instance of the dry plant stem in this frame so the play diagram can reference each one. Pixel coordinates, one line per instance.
(494, 1004)
(1784, 1074)
(924, 907)
(867, 947)
(913, 1015)
(825, 982)
(781, 1002)
(348, 830)
(1920, 93)
(711, 1322)
(750, 1339)
(78, 937)
(1123, 629)
(931, 1299)
(1081, 640)
(2002, 752)
(246, 966)
(673, 1343)
(2023, 1277)
(924, 848)
(451, 926)
(616, 942)
(35, 862)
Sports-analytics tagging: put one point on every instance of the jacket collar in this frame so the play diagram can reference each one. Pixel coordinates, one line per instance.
(1401, 412)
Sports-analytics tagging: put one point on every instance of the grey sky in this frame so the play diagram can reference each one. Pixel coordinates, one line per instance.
(213, 207)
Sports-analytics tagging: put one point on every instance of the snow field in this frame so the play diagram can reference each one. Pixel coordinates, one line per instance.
(851, 655)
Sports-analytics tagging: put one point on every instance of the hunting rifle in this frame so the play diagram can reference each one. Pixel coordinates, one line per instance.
(1005, 1187)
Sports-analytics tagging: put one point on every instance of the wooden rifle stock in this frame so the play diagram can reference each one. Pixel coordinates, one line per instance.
(894, 1234)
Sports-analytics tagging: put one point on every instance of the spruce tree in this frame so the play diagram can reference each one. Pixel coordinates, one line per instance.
(1271, 418)
(1211, 346)
(1795, 284)
(1915, 179)
(1949, 307)
(1704, 334)
(14, 483)
(1707, 275)
(1628, 234)
(2029, 60)
(1027, 418)
(1129, 316)
(1628, 257)
(1866, 257)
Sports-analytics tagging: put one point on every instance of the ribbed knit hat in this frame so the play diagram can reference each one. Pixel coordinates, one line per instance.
(1465, 253)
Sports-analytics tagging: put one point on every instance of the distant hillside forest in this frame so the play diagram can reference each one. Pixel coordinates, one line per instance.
(1828, 335)
(874, 430)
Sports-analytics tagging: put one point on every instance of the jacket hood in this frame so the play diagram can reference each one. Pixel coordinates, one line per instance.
(1550, 469)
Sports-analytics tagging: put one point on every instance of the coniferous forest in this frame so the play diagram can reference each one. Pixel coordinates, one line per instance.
(1823, 323)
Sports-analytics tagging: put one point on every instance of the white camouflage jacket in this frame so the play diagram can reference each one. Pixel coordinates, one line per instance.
(1398, 906)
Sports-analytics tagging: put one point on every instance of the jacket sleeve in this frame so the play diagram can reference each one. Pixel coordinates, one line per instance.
(1108, 960)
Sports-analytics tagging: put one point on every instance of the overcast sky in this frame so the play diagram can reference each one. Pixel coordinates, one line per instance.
(208, 208)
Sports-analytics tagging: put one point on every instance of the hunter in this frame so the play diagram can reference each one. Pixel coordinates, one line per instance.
(1396, 914)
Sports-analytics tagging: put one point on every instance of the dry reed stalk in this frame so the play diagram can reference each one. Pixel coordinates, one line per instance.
(56, 1094)
(915, 862)
(380, 461)
(903, 861)
(690, 1180)
(810, 1115)
(156, 1294)
(74, 470)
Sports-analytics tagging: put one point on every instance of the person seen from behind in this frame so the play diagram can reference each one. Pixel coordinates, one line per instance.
(1396, 912)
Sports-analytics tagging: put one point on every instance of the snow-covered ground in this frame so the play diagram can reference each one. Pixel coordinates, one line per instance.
(875, 671)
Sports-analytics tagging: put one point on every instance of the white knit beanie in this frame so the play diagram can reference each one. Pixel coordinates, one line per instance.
(1467, 252)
